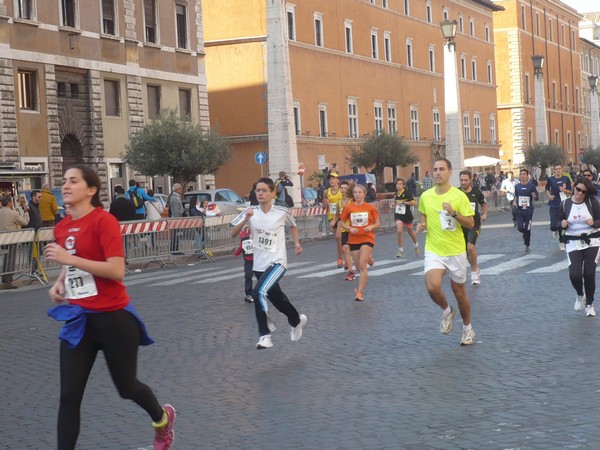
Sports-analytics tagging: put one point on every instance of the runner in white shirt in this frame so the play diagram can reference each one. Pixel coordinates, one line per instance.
(267, 227)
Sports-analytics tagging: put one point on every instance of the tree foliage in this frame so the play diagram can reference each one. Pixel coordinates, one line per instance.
(170, 145)
(381, 150)
(592, 156)
(543, 156)
(317, 178)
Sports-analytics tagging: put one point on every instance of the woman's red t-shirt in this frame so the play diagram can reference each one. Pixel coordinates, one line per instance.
(97, 237)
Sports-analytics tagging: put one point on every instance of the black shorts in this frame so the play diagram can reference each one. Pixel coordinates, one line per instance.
(345, 237)
(354, 247)
(472, 234)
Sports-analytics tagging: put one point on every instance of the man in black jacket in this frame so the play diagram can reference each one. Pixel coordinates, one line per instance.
(35, 218)
(121, 207)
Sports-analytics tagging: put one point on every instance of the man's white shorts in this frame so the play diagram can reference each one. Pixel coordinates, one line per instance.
(455, 266)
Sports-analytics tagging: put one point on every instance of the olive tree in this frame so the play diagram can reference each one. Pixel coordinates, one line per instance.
(543, 156)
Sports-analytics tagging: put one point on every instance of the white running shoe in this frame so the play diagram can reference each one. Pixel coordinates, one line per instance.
(296, 332)
(590, 311)
(270, 324)
(579, 303)
(475, 278)
(561, 246)
(400, 253)
(446, 323)
(264, 342)
(468, 337)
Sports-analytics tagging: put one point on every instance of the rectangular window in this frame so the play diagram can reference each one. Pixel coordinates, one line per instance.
(477, 127)
(487, 33)
(537, 24)
(463, 67)
(61, 89)
(74, 90)
(153, 101)
(554, 96)
(112, 102)
(414, 123)
(150, 20)
(181, 22)
(577, 100)
(474, 70)
(437, 126)
(428, 13)
(472, 27)
(431, 59)
(409, 54)
(297, 121)
(25, 9)
(353, 118)
(569, 146)
(556, 136)
(323, 131)
(489, 73)
(108, 16)
(461, 24)
(348, 28)
(493, 129)
(387, 46)
(69, 13)
(529, 137)
(27, 89)
(291, 23)
(374, 46)
(378, 113)
(466, 128)
(185, 103)
(566, 101)
(523, 18)
(445, 14)
(318, 30)
(527, 89)
(384, 3)
(562, 35)
(392, 120)
(407, 7)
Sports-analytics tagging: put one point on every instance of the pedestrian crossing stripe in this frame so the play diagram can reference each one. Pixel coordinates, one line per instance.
(490, 264)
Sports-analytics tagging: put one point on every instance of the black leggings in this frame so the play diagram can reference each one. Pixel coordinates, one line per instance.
(117, 334)
(582, 272)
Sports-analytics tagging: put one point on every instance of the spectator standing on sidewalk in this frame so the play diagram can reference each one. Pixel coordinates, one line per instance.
(48, 207)
(580, 220)
(35, 218)
(267, 227)
(140, 198)
(361, 219)
(411, 185)
(10, 220)
(280, 188)
(122, 208)
(154, 210)
(525, 194)
(427, 181)
(99, 314)
(445, 210)
(245, 249)
(176, 210)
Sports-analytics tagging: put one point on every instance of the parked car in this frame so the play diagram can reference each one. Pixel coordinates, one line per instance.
(309, 197)
(225, 201)
(162, 198)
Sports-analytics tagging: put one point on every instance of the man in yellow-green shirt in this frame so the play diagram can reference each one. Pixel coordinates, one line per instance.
(445, 210)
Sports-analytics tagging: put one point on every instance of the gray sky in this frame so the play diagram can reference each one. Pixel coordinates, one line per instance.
(583, 6)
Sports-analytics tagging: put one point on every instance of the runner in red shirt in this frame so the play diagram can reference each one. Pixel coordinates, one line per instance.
(98, 314)
(361, 219)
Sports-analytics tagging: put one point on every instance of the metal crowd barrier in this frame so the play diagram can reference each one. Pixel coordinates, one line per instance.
(16, 250)
(146, 241)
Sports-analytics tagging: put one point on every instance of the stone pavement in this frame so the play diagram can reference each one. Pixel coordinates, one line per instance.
(366, 375)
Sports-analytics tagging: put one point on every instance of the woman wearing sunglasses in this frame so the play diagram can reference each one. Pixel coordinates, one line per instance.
(580, 220)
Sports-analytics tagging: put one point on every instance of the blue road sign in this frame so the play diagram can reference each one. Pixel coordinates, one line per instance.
(260, 158)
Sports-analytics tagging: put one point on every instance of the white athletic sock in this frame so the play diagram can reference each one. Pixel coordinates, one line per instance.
(447, 311)
(467, 328)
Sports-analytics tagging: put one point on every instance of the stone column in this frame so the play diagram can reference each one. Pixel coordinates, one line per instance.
(541, 125)
(595, 119)
(9, 138)
(283, 150)
(54, 155)
(455, 151)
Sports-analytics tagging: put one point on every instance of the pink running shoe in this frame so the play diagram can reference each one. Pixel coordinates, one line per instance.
(165, 435)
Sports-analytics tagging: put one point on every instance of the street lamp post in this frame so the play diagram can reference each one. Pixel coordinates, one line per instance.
(541, 127)
(455, 151)
(595, 123)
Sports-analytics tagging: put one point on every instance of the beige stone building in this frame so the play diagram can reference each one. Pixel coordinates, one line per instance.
(589, 33)
(77, 77)
(538, 27)
(304, 80)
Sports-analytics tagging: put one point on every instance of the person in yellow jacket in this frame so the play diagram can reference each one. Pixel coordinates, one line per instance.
(48, 207)
(332, 200)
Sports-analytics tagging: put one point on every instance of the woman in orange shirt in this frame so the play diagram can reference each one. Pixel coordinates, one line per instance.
(361, 219)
